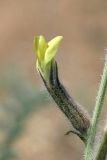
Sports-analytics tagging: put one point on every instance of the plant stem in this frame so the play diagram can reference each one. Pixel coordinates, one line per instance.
(102, 151)
(96, 115)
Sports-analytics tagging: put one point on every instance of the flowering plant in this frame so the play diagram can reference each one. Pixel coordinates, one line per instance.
(45, 53)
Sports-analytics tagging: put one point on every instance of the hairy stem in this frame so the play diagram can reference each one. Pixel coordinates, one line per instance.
(102, 151)
(96, 115)
(73, 111)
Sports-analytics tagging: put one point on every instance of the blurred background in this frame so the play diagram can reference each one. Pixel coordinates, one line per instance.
(31, 125)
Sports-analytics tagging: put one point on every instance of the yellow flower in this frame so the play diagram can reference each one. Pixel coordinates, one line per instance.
(45, 53)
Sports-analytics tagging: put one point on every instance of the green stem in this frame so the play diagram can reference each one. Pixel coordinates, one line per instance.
(96, 115)
(102, 151)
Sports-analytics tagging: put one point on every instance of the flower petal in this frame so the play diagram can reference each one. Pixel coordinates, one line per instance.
(40, 46)
(52, 49)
